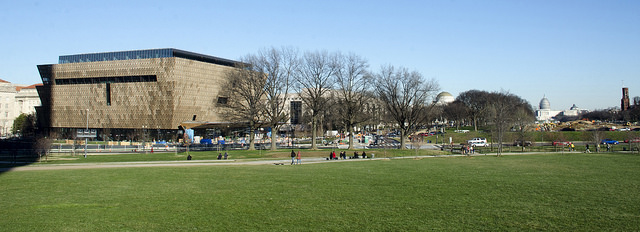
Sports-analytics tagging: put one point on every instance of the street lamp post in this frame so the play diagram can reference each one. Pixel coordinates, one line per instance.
(86, 139)
(144, 137)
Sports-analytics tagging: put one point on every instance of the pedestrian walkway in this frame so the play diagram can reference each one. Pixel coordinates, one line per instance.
(178, 163)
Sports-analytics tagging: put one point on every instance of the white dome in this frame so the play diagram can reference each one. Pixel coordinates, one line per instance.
(444, 98)
(544, 104)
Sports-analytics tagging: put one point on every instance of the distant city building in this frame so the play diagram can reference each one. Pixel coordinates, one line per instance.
(15, 99)
(545, 114)
(444, 98)
(293, 107)
(119, 93)
(574, 111)
(625, 99)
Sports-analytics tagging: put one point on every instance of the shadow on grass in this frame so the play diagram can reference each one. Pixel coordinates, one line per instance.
(16, 153)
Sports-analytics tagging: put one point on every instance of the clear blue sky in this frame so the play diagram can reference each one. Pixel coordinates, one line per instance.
(574, 52)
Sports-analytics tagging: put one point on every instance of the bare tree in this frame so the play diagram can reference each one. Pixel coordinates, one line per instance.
(523, 118)
(42, 146)
(352, 83)
(476, 101)
(504, 110)
(246, 93)
(278, 66)
(596, 137)
(456, 111)
(406, 97)
(315, 79)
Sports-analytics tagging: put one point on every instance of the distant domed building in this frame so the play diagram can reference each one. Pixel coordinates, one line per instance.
(544, 104)
(573, 111)
(545, 113)
(574, 107)
(444, 98)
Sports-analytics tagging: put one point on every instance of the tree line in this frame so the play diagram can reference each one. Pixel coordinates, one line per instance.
(500, 111)
(340, 91)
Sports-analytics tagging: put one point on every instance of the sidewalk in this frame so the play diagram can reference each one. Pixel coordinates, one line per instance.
(278, 162)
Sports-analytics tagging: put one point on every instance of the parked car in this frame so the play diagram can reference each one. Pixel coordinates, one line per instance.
(561, 143)
(634, 140)
(522, 143)
(473, 140)
(609, 141)
(478, 142)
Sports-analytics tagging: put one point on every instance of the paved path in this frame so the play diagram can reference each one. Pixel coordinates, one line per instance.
(36, 166)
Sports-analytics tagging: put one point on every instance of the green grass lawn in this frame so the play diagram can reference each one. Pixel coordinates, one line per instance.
(61, 158)
(574, 192)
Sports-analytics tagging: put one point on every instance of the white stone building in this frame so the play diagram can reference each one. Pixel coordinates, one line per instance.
(544, 113)
(15, 99)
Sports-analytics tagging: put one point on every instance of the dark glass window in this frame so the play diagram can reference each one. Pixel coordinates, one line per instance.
(144, 54)
(222, 100)
(108, 93)
(96, 80)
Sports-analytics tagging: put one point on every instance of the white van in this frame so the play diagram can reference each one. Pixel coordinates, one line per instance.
(478, 142)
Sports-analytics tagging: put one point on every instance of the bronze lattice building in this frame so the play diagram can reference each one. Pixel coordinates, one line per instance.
(154, 89)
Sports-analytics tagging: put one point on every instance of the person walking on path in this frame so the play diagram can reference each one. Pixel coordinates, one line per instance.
(587, 150)
(299, 158)
(226, 155)
(293, 157)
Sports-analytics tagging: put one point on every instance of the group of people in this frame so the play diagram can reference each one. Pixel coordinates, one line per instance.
(467, 149)
(343, 155)
(189, 157)
(220, 155)
(597, 148)
(295, 158)
(355, 155)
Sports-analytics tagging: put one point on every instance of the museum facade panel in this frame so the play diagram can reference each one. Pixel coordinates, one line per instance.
(133, 93)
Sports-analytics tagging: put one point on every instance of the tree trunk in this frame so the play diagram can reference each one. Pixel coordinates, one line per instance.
(314, 132)
(475, 124)
(273, 137)
(500, 137)
(252, 136)
(403, 140)
(350, 138)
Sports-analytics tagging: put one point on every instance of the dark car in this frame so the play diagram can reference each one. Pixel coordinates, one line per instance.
(609, 141)
(522, 143)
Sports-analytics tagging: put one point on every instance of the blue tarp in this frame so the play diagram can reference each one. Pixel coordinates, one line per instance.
(189, 133)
